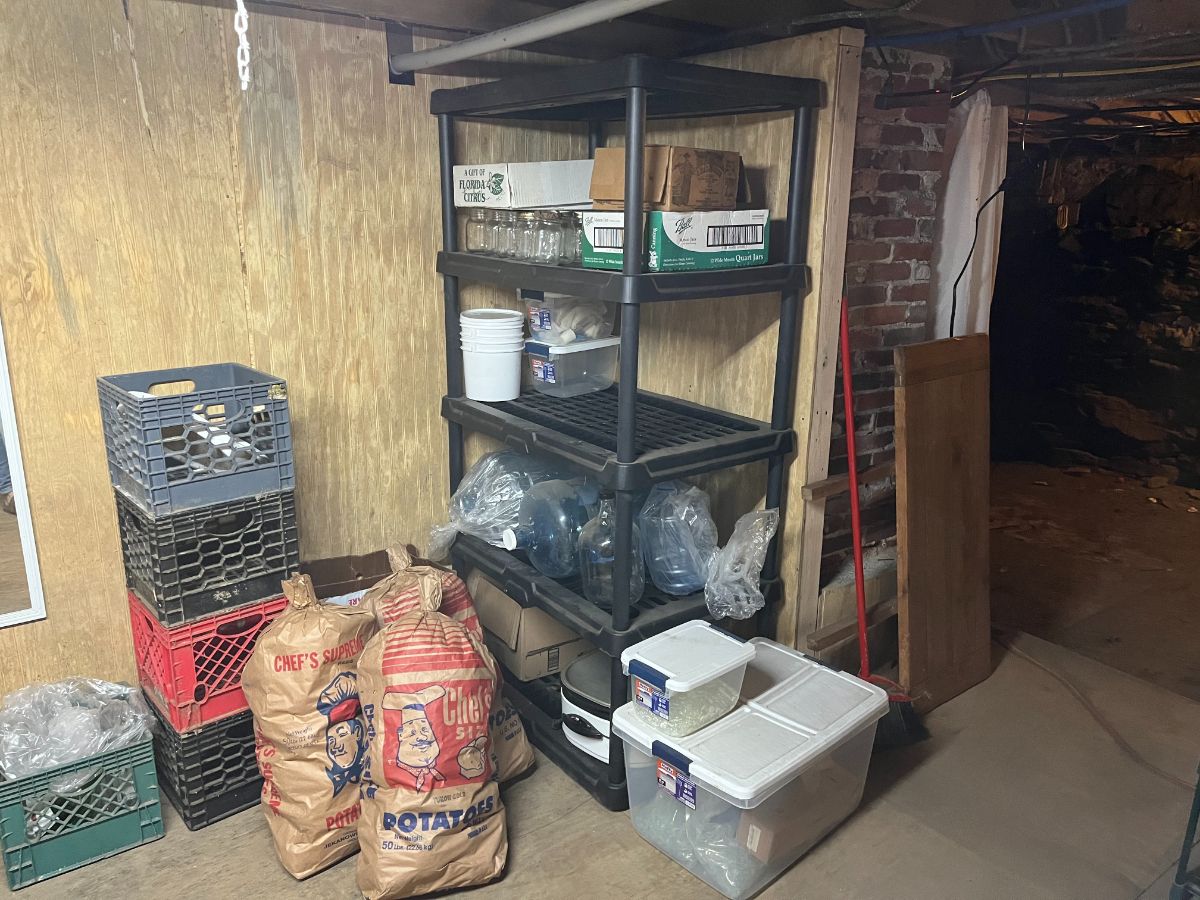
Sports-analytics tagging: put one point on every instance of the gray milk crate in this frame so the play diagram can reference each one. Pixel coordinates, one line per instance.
(188, 437)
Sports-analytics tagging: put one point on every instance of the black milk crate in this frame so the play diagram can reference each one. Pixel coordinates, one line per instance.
(204, 561)
(224, 433)
(210, 773)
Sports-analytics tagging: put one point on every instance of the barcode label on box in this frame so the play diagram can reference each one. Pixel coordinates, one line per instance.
(608, 238)
(678, 785)
(735, 235)
(647, 695)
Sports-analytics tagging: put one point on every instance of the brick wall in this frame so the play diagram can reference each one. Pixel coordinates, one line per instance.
(898, 169)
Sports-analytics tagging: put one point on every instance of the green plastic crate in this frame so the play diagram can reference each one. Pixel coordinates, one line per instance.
(117, 808)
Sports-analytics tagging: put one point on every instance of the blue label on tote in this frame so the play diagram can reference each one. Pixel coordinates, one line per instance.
(652, 698)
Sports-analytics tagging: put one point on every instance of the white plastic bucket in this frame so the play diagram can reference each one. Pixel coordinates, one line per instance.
(492, 374)
(486, 347)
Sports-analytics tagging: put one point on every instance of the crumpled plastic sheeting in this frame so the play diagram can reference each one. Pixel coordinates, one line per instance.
(733, 590)
(47, 725)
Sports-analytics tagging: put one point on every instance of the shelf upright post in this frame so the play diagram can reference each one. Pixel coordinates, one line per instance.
(799, 200)
(635, 139)
(454, 374)
(595, 138)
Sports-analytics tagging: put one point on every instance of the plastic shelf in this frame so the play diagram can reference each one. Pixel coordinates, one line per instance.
(653, 613)
(674, 438)
(596, 92)
(545, 732)
(615, 287)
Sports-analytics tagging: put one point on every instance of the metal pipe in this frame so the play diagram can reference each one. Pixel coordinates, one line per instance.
(454, 375)
(967, 31)
(542, 28)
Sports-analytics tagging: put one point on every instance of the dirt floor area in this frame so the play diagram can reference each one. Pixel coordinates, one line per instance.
(1104, 564)
(1057, 778)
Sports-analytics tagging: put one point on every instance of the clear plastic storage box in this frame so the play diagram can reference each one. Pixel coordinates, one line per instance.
(561, 319)
(573, 369)
(738, 802)
(687, 677)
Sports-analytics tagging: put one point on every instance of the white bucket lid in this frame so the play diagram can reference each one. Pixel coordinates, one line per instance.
(491, 317)
(771, 737)
(686, 656)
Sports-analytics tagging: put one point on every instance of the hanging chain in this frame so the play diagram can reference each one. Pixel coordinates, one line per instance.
(241, 24)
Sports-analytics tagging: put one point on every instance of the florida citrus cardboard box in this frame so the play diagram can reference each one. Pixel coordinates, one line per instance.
(675, 179)
(555, 185)
(681, 242)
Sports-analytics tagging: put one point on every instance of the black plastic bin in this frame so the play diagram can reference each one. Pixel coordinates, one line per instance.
(204, 561)
(181, 438)
(210, 773)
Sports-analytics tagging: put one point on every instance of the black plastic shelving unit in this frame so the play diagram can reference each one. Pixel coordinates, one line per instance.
(626, 438)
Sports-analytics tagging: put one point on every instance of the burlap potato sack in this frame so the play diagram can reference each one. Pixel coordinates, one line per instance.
(399, 594)
(432, 818)
(310, 739)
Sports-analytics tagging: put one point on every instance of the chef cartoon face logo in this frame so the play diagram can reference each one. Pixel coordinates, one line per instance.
(417, 746)
(345, 739)
(421, 726)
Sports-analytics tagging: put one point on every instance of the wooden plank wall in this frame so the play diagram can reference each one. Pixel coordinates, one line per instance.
(155, 216)
(942, 472)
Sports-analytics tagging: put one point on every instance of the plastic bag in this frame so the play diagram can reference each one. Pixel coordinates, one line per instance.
(679, 537)
(488, 501)
(46, 725)
(733, 588)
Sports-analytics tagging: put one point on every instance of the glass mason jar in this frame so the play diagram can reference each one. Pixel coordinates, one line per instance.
(549, 239)
(571, 236)
(598, 557)
(479, 231)
(527, 235)
(504, 233)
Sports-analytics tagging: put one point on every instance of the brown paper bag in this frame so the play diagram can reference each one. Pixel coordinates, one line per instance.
(432, 818)
(301, 684)
(400, 594)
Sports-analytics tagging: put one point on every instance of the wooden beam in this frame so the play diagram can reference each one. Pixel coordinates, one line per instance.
(831, 635)
(840, 484)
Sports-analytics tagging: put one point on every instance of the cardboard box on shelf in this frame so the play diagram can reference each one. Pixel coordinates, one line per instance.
(527, 641)
(676, 179)
(535, 185)
(681, 242)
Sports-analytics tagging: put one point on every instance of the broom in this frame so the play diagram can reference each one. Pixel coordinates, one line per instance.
(901, 725)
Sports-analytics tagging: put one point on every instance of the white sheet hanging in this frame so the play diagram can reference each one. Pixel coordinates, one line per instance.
(977, 146)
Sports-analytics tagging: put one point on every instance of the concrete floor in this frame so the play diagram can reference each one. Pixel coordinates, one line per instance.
(1058, 777)
(1102, 564)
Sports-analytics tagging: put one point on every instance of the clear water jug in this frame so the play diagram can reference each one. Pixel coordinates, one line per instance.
(553, 513)
(598, 558)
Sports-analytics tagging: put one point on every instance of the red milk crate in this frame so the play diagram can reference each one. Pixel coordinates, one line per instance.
(193, 673)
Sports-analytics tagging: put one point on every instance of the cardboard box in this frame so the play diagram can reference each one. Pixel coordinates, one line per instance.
(676, 179)
(347, 576)
(536, 185)
(527, 641)
(681, 242)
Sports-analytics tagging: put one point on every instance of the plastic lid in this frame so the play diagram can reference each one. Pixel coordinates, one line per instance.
(509, 539)
(764, 743)
(688, 656)
(541, 348)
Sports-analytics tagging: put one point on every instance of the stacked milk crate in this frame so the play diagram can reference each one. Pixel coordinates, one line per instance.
(201, 464)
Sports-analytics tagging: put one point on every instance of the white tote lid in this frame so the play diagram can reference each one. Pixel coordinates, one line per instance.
(771, 737)
(686, 656)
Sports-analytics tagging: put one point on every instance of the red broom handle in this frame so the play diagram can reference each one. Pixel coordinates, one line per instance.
(860, 587)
